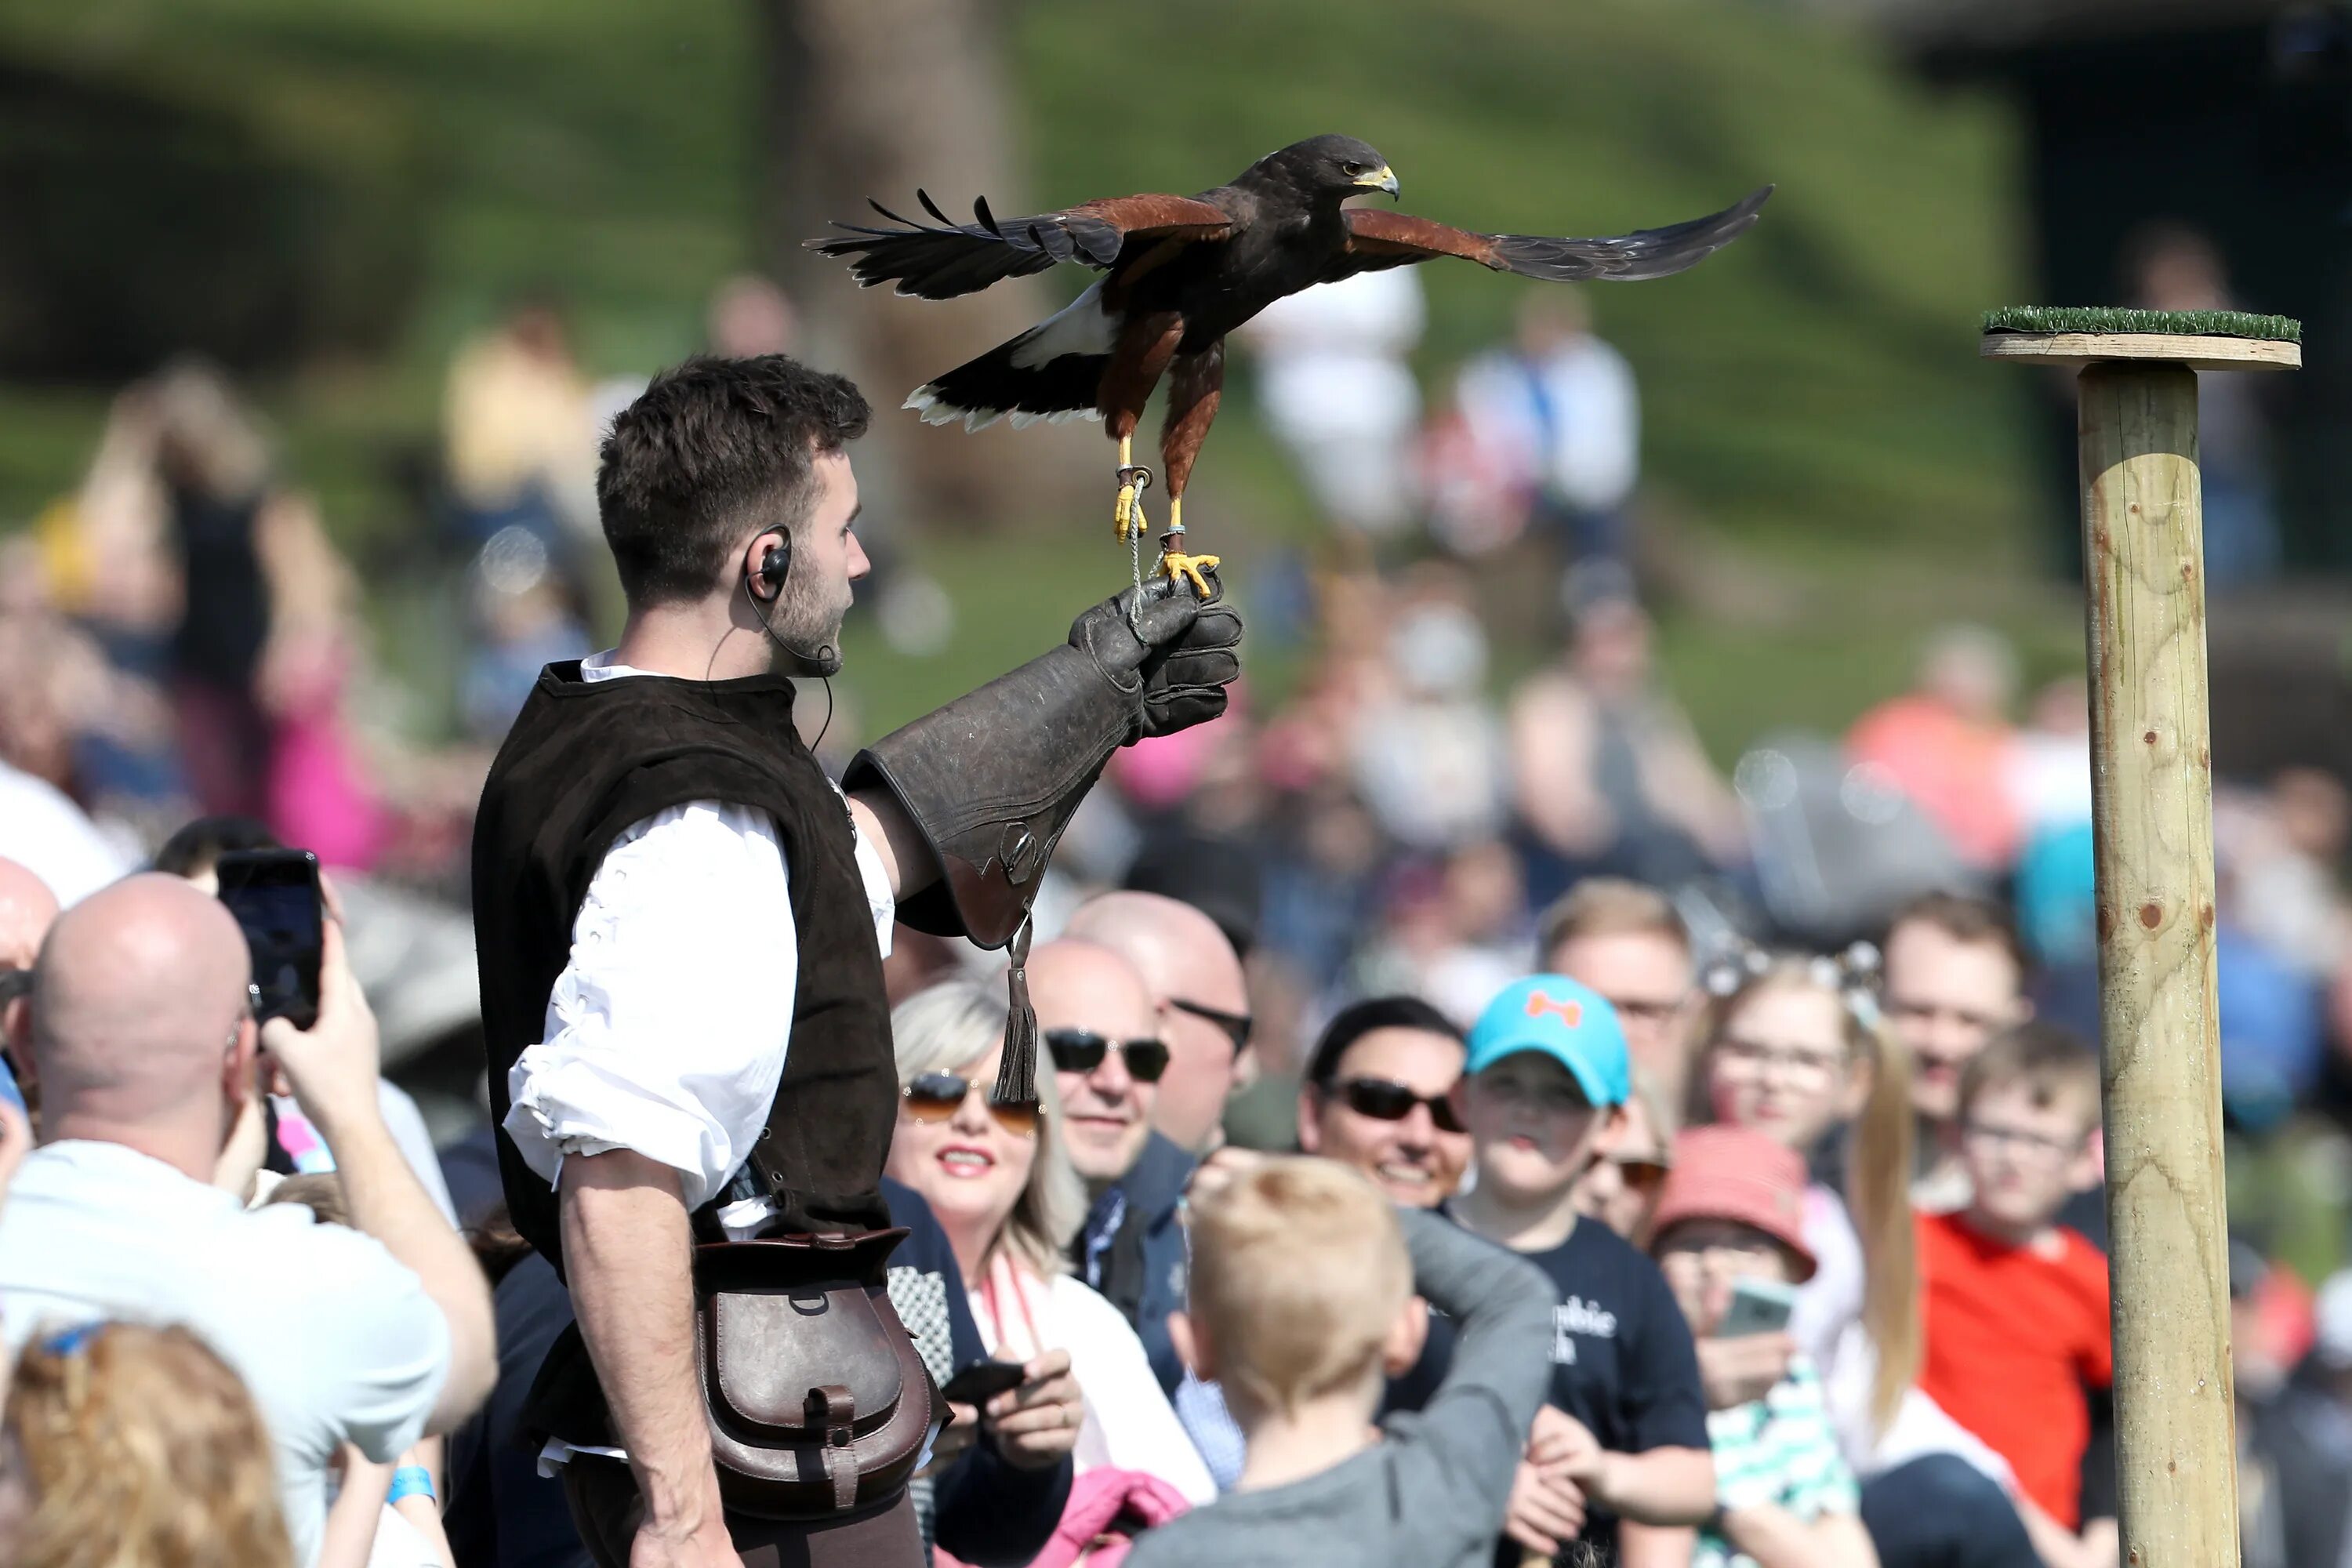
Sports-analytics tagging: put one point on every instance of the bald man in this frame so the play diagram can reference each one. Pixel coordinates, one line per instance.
(140, 1028)
(1095, 1021)
(1107, 1041)
(1201, 1000)
(27, 910)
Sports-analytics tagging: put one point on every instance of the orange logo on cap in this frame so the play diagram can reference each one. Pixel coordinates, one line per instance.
(1571, 1013)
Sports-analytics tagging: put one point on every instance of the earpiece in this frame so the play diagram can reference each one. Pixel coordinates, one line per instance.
(776, 566)
(768, 584)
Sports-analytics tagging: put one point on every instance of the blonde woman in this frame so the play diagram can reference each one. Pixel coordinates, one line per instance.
(1792, 1048)
(1004, 1192)
(136, 1448)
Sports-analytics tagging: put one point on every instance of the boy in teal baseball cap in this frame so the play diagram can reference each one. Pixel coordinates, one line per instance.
(1622, 1448)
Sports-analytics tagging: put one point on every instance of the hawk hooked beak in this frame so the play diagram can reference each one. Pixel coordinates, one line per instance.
(1380, 179)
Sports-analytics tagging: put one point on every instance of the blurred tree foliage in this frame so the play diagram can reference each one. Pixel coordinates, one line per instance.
(147, 216)
(374, 179)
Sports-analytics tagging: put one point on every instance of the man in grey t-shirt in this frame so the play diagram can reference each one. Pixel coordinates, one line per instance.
(145, 1050)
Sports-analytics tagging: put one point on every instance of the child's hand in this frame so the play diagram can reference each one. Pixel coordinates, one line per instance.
(1559, 1440)
(1545, 1511)
(1549, 1493)
(1735, 1371)
(1564, 1448)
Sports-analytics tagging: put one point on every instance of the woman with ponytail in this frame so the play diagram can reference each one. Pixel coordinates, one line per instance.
(1794, 1047)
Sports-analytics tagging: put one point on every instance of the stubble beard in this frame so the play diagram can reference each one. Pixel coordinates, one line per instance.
(810, 635)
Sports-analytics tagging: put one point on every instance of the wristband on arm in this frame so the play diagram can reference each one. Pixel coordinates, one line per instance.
(411, 1480)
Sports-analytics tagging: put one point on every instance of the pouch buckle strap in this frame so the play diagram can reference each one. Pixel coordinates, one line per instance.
(832, 1409)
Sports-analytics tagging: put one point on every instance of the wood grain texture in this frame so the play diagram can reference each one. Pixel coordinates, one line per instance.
(2152, 790)
(2196, 352)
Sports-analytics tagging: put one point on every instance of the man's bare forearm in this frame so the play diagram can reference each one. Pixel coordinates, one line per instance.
(905, 855)
(391, 1204)
(627, 1253)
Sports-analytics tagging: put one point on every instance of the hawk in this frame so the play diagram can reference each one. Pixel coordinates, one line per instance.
(1180, 272)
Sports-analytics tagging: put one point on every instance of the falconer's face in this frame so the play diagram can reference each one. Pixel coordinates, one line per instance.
(826, 559)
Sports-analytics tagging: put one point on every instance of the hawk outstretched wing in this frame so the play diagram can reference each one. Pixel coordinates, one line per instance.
(1378, 239)
(941, 261)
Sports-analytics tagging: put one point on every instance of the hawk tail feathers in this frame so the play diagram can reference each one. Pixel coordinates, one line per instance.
(996, 384)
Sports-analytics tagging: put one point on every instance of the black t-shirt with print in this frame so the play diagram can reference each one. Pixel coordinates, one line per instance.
(1622, 1357)
(1623, 1360)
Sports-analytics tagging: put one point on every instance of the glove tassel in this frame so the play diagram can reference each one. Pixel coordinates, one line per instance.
(1016, 1076)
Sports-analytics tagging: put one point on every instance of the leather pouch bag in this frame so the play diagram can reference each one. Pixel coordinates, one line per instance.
(819, 1405)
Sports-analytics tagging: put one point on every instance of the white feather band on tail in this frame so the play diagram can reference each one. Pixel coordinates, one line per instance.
(927, 401)
(1053, 370)
(1081, 327)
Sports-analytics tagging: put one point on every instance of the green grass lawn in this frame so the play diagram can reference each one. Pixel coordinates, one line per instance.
(1813, 398)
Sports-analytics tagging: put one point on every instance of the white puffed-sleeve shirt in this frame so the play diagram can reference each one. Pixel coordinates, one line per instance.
(666, 1032)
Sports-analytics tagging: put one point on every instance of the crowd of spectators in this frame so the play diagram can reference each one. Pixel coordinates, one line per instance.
(1730, 1192)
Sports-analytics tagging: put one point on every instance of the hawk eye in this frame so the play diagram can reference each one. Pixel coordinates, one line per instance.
(1351, 168)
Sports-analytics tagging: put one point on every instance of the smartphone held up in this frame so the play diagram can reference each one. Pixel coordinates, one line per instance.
(1757, 1307)
(274, 894)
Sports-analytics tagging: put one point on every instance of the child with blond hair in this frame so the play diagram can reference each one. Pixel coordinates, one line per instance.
(132, 1447)
(1302, 1300)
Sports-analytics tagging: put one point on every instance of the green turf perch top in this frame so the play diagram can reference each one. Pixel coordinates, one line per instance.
(2117, 318)
(2201, 339)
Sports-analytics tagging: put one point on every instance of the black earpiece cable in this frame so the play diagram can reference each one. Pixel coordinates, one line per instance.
(826, 654)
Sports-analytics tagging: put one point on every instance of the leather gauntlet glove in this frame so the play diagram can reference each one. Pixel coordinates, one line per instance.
(991, 779)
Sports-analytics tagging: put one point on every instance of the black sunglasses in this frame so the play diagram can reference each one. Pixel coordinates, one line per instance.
(1082, 1050)
(938, 1096)
(1384, 1101)
(1236, 1025)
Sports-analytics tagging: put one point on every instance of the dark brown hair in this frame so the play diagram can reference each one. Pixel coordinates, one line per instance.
(712, 452)
(321, 1191)
(1353, 1022)
(2052, 1065)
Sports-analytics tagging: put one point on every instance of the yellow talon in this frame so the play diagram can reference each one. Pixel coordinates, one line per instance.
(1174, 565)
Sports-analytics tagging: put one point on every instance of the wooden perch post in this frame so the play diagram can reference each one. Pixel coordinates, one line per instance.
(2152, 794)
